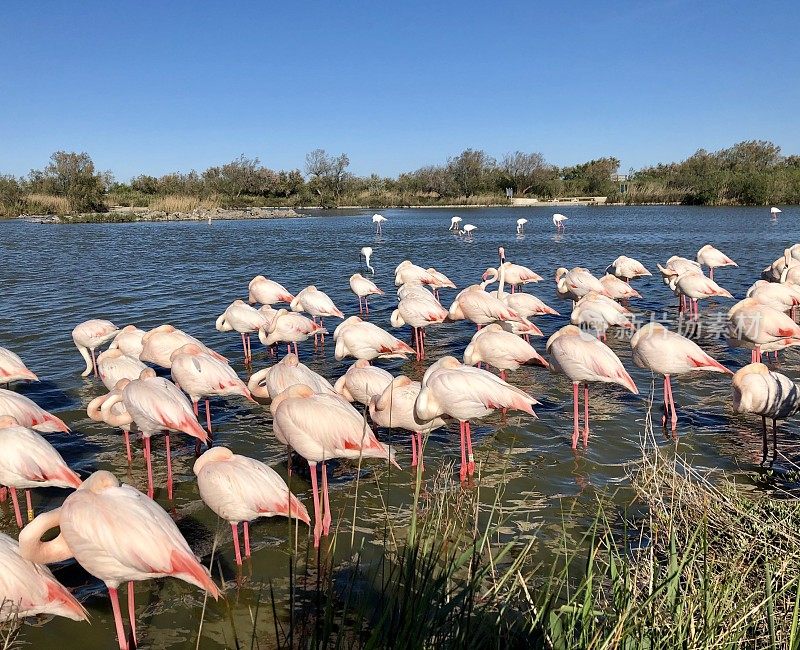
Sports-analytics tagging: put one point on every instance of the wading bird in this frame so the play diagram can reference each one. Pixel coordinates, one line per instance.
(362, 382)
(558, 222)
(90, 335)
(12, 368)
(521, 226)
(713, 258)
(267, 292)
(378, 220)
(246, 320)
(366, 253)
(363, 288)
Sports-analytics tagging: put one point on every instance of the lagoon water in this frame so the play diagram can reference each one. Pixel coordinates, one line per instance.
(186, 273)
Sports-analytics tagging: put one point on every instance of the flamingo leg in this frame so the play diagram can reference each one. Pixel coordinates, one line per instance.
(15, 501)
(322, 335)
(94, 364)
(711, 272)
(149, 462)
(169, 466)
(121, 637)
(208, 416)
(289, 346)
(128, 447)
(586, 415)
(360, 309)
(672, 404)
(764, 447)
(295, 348)
(503, 375)
(249, 349)
(196, 410)
(470, 456)
(758, 354)
(463, 471)
(419, 453)
(575, 429)
(132, 612)
(317, 518)
(314, 320)
(666, 404)
(244, 348)
(413, 450)
(246, 527)
(366, 305)
(774, 439)
(237, 550)
(29, 504)
(326, 519)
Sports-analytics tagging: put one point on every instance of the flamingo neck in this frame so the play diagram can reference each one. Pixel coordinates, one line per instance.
(33, 548)
(501, 280)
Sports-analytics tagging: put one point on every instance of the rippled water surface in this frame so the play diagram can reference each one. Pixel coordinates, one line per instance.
(55, 276)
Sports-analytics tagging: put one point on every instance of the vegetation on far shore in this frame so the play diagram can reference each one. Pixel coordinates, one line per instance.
(748, 173)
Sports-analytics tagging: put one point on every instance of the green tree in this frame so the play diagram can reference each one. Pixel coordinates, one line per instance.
(468, 170)
(73, 176)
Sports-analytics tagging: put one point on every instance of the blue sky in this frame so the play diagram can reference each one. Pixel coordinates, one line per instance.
(161, 86)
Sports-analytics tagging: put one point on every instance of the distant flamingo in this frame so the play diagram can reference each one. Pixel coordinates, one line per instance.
(12, 368)
(160, 342)
(90, 335)
(585, 359)
(290, 328)
(394, 408)
(667, 353)
(128, 341)
(455, 223)
(627, 268)
(378, 220)
(318, 304)
(364, 340)
(500, 349)
(28, 461)
(241, 489)
(113, 365)
(28, 413)
(320, 428)
(155, 404)
(242, 318)
(466, 393)
(558, 222)
(418, 312)
(362, 382)
(769, 394)
(713, 258)
(760, 328)
(29, 589)
(774, 212)
(117, 534)
(363, 288)
(272, 381)
(467, 230)
(366, 253)
(521, 226)
(267, 292)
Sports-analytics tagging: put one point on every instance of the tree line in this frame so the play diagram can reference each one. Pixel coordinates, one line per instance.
(751, 172)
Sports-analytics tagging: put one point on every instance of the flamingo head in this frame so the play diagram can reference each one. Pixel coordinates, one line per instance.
(8, 421)
(213, 455)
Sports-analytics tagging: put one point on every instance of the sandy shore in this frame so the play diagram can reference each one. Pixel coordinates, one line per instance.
(124, 215)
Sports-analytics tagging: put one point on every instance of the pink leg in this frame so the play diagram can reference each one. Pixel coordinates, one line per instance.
(94, 364)
(132, 612)
(586, 415)
(758, 354)
(360, 308)
(366, 305)
(15, 501)
(503, 375)
(123, 640)
(321, 336)
(196, 409)
(575, 430)
(3, 494)
(249, 349)
(326, 519)
(208, 416)
(666, 404)
(711, 272)
(237, 550)
(470, 457)
(149, 462)
(420, 459)
(463, 471)
(413, 450)
(317, 518)
(29, 504)
(295, 349)
(169, 467)
(672, 404)
(246, 526)
(244, 348)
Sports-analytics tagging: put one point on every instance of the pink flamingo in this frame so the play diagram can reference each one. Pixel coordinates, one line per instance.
(267, 292)
(696, 286)
(90, 335)
(627, 269)
(574, 284)
(668, 353)
(118, 535)
(244, 319)
(28, 461)
(465, 393)
(362, 340)
(420, 312)
(583, 358)
(616, 289)
(516, 275)
(598, 312)
(394, 408)
(713, 258)
(155, 404)
(409, 273)
(113, 365)
(783, 297)
(241, 489)
(761, 328)
(117, 416)
(501, 349)
(317, 303)
(29, 589)
(558, 222)
(440, 281)
(28, 413)
(362, 382)
(12, 368)
(160, 342)
(129, 341)
(272, 381)
(289, 327)
(200, 375)
(319, 428)
(363, 288)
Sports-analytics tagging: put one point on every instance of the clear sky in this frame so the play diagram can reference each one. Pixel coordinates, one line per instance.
(156, 86)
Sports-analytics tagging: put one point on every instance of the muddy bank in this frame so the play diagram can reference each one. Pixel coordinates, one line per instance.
(123, 215)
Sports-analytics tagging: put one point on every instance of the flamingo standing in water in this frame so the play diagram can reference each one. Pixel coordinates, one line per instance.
(760, 328)
(160, 342)
(558, 222)
(362, 382)
(769, 394)
(696, 286)
(12, 368)
(241, 489)
(419, 312)
(318, 304)
(117, 416)
(441, 281)
(466, 393)
(394, 408)
(378, 220)
(363, 288)
(244, 319)
(501, 349)
(616, 289)
(320, 428)
(128, 341)
(713, 258)
(118, 535)
(584, 359)
(28, 414)
(467, 230)
(30, 589)
(267, 292)
(409, 273)
(667, 353)
(366, 253)
(90, 335)
(521, 226)
(627, 269)
(272, 381)
(774, 212)
(364, 340)
(155, 404)
(113, 365)
(574, 284)
(515, 275)
(598, 312)
(291, 328)
(28, 461)
(455, 223)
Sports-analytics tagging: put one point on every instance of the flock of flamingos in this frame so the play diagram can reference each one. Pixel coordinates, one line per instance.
(120, 534)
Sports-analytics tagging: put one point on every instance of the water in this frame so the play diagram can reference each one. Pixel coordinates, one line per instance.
(54, 277)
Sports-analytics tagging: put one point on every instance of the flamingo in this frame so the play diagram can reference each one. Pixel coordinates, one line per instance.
(408, 273)
(668, 353)
(267, 292)
(366, 253)
(558, 222)
(418, 312)
(362, 382)
(441, 281)
(515, 275)
(378, 220)
(90, 335)
(200, 375)
(696, 286)
(289, 327)
(783, 297)
(320, 428)
(627, 269)
(28, 461)
(455, 223)
(501, 349)
(129, 341)
(769, 394)
(599, 312)
(616, 289)
(713, 258)
(394, 408)
(113, 365)
(527, 305)
(575, 283)
(521, 226)
(118, 535)
(466, 393)
(774, 212)
(160, 342)
(583, 358)
(28, 414)
(12, 368)
(241, 489)
(30, 589)
(270, 382)
(760, 328)
(242, 318)
(481, 307)
(155, 404)
(363, 288)
(467, 230)
(363, 340)
(318, 304)
(117, 416)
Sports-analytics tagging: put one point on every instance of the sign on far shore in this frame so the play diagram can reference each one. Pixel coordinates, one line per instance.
(571, 200)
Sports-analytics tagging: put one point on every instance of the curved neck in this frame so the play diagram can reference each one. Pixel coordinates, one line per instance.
(33, 548)
(109, 417)
(88, 359)
(502, 280)
(254, 384)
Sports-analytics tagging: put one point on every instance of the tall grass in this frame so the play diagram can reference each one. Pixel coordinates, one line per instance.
(46, 204)
(182, 203)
